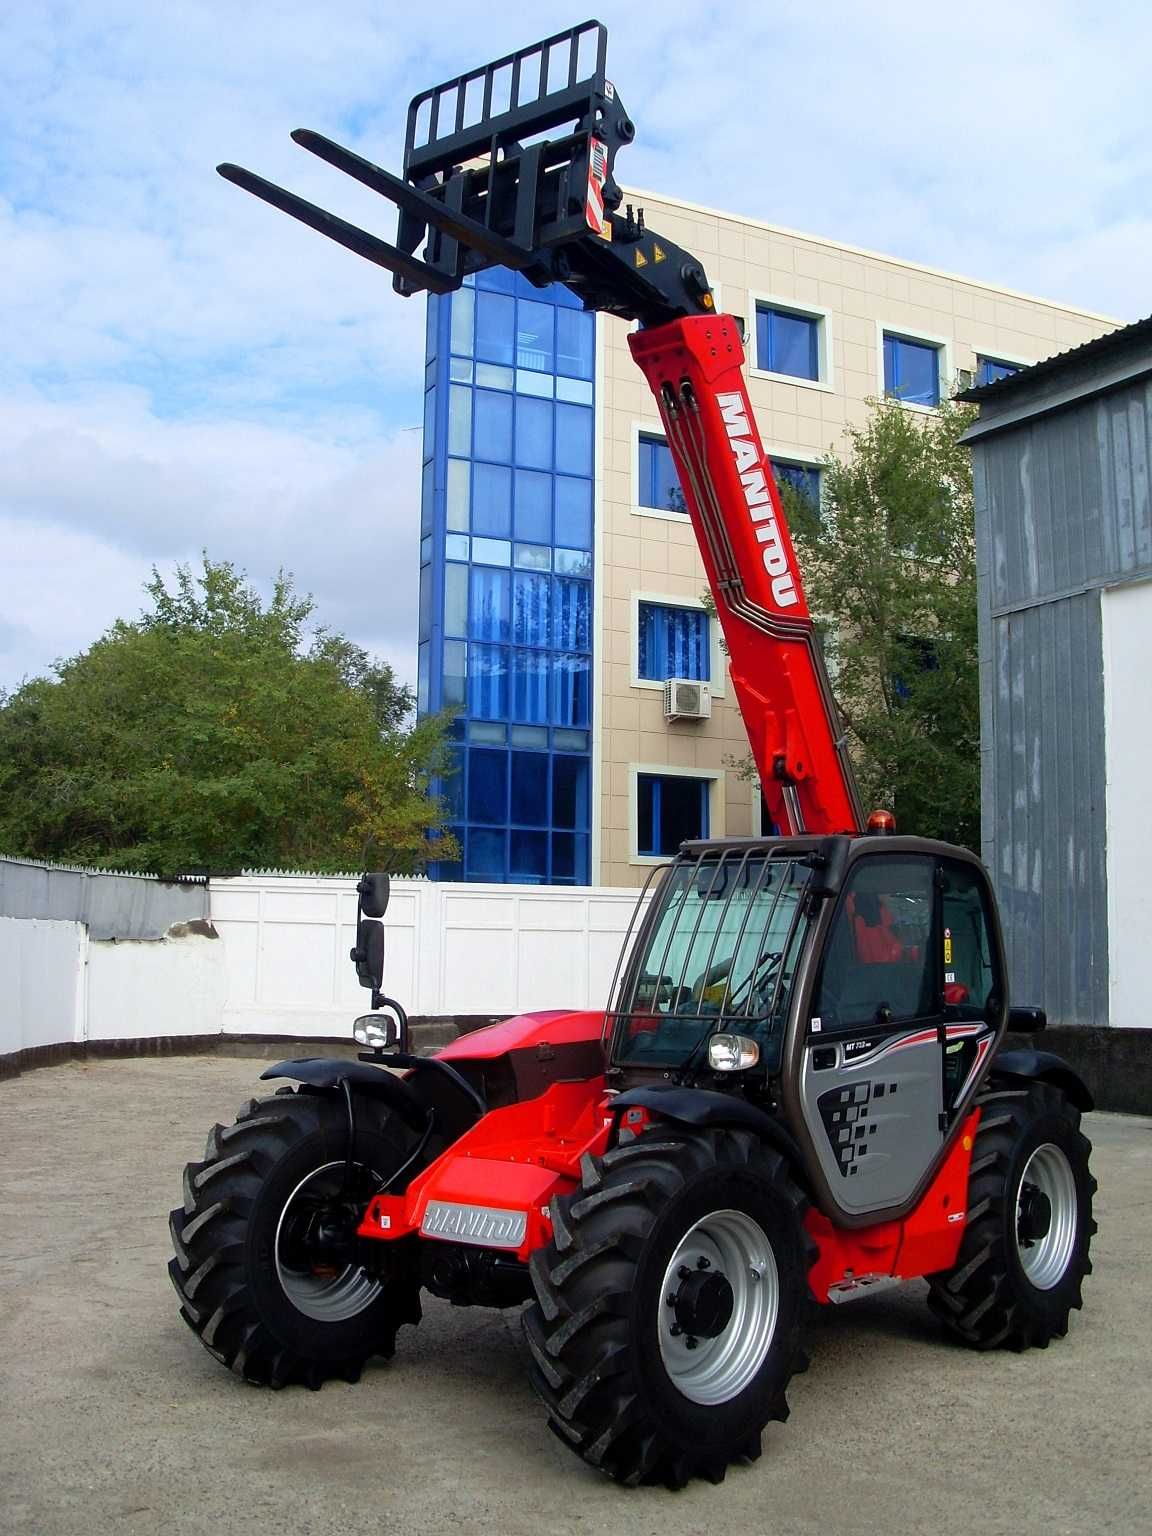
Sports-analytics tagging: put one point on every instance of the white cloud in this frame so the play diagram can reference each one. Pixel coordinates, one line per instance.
(93, 494)
(181, 366)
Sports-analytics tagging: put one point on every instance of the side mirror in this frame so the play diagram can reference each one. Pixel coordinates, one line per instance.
(367, 955)
(373, 891)
(1026, 1021)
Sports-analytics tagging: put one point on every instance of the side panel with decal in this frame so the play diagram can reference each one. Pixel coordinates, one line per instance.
(873, 1108)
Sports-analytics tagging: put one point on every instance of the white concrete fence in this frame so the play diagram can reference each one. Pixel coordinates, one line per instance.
(280, 966)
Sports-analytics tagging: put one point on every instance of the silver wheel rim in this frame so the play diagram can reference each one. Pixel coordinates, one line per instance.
(1045, 1260)
(717, 1370)
(324, 1298)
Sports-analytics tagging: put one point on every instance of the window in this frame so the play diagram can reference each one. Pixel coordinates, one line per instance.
(989, 369)
(787, 342)
(878, 965)
(915, 654)
(673, 642)
(970, 978)
(973, 988)
(659, 482)
(669, 809)
(804, 478)
(722, 955)
(911, 370)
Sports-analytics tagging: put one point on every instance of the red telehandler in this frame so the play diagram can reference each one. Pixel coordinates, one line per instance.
(797, 1092)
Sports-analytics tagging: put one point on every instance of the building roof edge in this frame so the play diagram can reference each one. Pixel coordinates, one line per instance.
(860, 250)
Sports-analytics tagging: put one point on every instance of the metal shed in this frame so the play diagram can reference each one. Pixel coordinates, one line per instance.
(1062, 459)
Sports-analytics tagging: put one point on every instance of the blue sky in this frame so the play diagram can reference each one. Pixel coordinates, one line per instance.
(181, 367)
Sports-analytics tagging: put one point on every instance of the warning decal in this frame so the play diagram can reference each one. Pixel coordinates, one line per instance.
(594, 215)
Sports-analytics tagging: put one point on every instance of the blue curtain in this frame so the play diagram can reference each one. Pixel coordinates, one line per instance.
(673, 642)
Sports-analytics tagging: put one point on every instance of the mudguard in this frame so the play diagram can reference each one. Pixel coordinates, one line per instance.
(330, 1071)
(1044, 1067)
(704, 1107)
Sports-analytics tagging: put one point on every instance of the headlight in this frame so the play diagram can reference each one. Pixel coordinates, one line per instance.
(375, 1030)
(732, 1053)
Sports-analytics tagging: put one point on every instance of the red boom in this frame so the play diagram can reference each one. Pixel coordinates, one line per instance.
(694, 369)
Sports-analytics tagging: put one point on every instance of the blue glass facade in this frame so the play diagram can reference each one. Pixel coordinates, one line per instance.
(506, 574)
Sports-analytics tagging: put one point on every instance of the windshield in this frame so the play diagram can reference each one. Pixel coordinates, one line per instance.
(720, 954)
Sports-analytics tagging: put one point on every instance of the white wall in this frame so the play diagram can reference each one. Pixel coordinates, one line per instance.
(41, 968)
(1126, 614)
(137, 988)
(451, 949)
(280, 965)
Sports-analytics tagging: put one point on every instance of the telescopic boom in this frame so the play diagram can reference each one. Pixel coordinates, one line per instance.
(485, 186)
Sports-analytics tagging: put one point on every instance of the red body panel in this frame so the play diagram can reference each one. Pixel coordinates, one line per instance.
(513, 1159)
(694, 369)
(527, 1031)
(924, 1242)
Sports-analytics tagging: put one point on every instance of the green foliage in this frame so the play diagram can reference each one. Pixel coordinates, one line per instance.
(213, 732)
(889, 566)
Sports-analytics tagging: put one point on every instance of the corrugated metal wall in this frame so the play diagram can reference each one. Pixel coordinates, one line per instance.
(1043, 804)
(1064, 500)
(1063, 509)
(113, 906)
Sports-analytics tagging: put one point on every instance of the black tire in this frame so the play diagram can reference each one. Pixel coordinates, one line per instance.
(593, 1331)
(232, 1288)
(989, 1299)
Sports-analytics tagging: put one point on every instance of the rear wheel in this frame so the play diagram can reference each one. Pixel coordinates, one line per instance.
(669, 1305)
(1024, 1256)
(268, 1268)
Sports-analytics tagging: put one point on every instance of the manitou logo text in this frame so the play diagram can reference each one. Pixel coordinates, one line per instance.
(754, 479)
(477, 1224)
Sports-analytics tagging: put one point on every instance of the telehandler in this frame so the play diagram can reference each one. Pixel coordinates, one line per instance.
(797, 1093)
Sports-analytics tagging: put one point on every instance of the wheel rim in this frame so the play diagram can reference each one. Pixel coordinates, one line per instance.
(1045, 1258)
(717, 1369)
(325, 1297)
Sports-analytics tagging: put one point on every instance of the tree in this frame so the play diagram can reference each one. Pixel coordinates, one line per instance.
(889, 563)
(889, 566)
(213, 732)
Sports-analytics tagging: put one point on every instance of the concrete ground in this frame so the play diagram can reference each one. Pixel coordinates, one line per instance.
(113, 1418)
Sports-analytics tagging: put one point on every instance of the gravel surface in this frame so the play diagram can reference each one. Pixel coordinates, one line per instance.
(113, 1418)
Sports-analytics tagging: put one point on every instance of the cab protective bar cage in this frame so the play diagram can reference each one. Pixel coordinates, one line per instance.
(728, 872)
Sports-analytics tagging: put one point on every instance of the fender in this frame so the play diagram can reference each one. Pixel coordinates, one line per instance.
(1044, 1067)
(329, 1072)
(705, 1107)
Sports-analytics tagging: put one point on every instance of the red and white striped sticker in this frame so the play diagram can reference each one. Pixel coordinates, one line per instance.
(597, 175)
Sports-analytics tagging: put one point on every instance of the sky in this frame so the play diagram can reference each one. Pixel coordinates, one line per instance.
(182, 368)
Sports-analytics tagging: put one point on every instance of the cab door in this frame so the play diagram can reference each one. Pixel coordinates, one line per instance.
(871, 1089)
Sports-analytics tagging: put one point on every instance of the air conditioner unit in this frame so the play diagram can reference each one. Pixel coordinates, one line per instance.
(685, 699)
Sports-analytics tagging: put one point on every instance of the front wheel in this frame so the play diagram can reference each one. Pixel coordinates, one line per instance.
(1025, 1251)
(669, 1305)
(268, 1269)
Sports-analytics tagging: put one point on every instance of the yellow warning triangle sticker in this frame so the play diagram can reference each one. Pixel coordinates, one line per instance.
(641, 259)
(658, 253)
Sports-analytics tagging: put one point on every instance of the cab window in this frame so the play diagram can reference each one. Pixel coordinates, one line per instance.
(879, 965)
(969, 964)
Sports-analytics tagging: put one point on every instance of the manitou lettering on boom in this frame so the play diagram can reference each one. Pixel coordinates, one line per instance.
(754, 479)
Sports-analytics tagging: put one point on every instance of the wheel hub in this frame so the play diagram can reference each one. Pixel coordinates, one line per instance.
(703, 1304)
(1047, 1217)
(316, 1256)
(719, 1304)
(1035, 1219)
